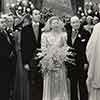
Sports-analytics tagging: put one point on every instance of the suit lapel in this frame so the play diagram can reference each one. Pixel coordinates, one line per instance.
(4, 36)
(39, 35)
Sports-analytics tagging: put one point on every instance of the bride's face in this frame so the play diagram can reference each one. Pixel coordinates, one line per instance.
(55, 24)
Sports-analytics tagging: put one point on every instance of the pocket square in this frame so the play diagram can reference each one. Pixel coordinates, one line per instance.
(83, 40)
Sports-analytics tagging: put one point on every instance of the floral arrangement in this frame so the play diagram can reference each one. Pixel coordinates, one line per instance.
(90, 8)
(21, 7)
(46, 13)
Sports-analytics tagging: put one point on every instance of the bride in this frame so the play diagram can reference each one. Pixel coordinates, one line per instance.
(54, 49)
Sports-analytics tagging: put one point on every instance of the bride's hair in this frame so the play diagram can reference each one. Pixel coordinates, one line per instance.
(47, 27)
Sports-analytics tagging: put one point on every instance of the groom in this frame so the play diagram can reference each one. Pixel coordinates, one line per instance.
(31, 40)
(37, 81)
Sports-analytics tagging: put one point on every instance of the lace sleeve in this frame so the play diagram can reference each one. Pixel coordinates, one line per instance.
(44, 43)
(65, 39)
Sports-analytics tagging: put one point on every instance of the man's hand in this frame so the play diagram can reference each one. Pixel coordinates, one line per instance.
(27, 67)
(86, 66)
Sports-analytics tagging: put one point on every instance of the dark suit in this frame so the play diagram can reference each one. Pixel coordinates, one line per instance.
(12, 61)
(36, 74)
(5, 68)
(76, 72)
(29, 46)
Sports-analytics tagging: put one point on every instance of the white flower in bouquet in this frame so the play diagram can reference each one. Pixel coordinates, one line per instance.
(19, 8)
(80, 8)
(82, 14)
(89, 11)
(28, 9)
(32, 6)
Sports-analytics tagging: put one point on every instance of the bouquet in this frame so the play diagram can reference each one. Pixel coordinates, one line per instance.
(53, 59)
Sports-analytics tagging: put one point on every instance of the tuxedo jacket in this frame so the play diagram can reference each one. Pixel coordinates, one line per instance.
(29, 44)
(79, 47)
(5, 51)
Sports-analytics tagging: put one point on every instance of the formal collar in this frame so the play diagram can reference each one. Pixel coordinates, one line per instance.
(34, 23)
(74, 30)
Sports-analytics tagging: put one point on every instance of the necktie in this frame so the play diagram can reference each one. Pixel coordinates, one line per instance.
(36, 30)
(74, 35)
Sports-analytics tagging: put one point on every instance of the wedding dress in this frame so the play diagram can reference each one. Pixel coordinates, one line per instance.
(55, 86)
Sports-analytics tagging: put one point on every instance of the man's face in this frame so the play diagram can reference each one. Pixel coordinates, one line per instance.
(36, 15)
(75, 23)
(17, 21)
(3, 24)
(10, 22)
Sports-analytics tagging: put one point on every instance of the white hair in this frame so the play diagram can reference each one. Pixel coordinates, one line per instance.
(47, 26)
(75, 18)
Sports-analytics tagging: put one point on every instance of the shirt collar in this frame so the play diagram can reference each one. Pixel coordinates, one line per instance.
(75, 30)
(34, 23)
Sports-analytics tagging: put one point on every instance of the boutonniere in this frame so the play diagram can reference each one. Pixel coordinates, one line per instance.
(79, 35)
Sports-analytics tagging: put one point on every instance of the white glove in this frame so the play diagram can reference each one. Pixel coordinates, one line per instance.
(88, 82)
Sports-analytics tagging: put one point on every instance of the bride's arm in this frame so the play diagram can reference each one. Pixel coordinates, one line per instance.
(43, 45)
(65, 40)
(44, 42)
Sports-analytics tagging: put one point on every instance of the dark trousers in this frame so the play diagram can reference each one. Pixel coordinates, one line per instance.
(82, 89)
(77, 77)
(4, 85)
(23, 81)
(37, 82)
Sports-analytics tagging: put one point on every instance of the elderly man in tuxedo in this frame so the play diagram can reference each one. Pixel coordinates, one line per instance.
(77, 40)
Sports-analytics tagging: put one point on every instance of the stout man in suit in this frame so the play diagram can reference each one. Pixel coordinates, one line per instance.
(77, 39)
